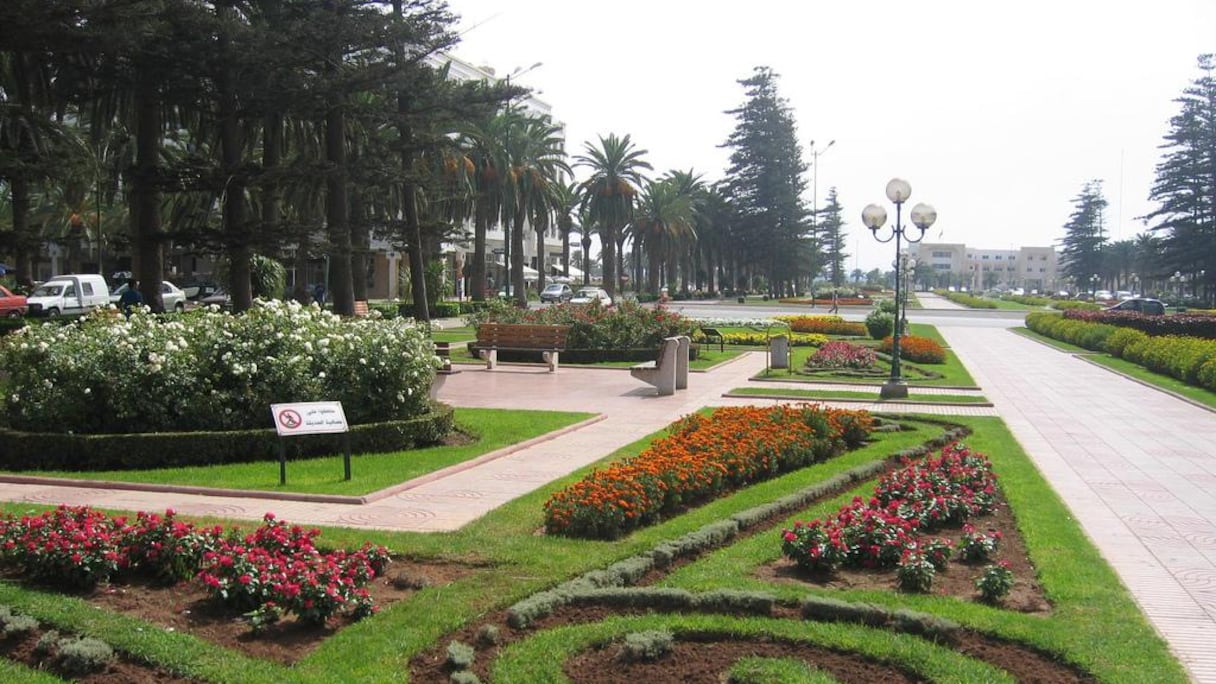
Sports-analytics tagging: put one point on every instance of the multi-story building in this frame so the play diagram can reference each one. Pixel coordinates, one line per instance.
(957, 265)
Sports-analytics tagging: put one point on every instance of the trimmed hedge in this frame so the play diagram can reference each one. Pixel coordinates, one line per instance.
(59, 451)
(1187, 325)
(1189, 359)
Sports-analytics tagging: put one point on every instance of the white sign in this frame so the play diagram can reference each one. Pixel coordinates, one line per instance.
(308, 418)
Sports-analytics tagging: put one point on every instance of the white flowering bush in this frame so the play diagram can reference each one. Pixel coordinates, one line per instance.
(212, 370)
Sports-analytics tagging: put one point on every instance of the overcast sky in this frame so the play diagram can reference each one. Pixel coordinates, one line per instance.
(996, 113)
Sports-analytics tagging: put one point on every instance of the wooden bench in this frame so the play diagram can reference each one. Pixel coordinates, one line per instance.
(361, 307)
(670, 371)
(712, 335)
(549, 340)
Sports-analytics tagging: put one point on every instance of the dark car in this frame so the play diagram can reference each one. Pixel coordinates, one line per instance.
(1153, 307)
(220, 298)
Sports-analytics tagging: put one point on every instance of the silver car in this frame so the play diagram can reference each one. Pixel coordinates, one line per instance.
(171, 295)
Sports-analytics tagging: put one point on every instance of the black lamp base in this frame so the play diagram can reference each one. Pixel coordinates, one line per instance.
(894, 389)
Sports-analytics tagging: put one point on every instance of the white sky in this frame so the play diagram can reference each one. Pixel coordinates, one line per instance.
(996, 114)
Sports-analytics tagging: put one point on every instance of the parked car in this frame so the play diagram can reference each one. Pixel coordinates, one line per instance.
(556, 292)
(12, 305)
(1143, 305)
(171, 295)
(195, 291)
(586, 295)
(220, 298)
(69, 294)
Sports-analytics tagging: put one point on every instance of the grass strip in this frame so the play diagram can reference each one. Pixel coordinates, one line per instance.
(777, 671)
(493, 428)
(867, 396)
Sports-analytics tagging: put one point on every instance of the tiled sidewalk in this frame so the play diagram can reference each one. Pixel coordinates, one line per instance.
(1136, 467)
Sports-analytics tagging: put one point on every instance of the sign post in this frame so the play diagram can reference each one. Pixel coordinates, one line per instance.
(310, 418)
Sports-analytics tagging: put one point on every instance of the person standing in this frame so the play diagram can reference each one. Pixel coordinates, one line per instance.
(131, 297)
(835, 303)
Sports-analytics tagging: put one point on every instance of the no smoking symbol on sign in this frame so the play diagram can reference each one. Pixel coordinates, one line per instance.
(289, 419)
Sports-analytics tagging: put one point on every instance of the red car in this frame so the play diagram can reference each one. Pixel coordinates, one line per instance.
(11, 305)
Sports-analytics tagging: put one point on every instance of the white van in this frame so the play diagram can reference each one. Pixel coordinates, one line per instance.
(69, 294)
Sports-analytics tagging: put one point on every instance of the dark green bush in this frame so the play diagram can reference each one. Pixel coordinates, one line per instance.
(59, 451)
(880, 324)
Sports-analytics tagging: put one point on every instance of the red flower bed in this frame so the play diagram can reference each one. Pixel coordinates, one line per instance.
(841, 354)
(1185, 325)
(275, 568)
(916, 349)
(920, 497)
(701, 458)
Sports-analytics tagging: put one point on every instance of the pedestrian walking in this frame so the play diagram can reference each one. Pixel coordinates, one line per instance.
(835, 303)
(131, 297)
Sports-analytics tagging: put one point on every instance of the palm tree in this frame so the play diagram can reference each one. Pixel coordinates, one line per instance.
(690, 185)
(616, 173)
(536, 156)
(566, 200)
(662, 222)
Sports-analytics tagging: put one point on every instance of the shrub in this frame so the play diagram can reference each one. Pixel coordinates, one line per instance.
(840, 354)
(83, 655)
(996, 582)
(647, 646)
(212, 371)
(15, 624)
(460, 655)
(915, 572)
(1123, 338)
(880, 324)
(489, 635)
(977, 546)
(464, 677)
(760, 339)
(626, 325)
(915, 349)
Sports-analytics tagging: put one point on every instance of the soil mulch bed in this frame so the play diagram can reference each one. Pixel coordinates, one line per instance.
(186, 608)
(957, 580)
(122, 670)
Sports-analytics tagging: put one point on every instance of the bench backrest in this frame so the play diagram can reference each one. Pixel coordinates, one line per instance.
(360, 307)
(522, 335)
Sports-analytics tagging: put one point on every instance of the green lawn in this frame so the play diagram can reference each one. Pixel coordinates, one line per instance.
(1094, 623)
(867, 396)
(494, 429)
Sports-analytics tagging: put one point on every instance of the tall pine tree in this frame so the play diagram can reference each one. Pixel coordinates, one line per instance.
(832, 239)
(1185, 188)
(1085, 235)
(765, 184)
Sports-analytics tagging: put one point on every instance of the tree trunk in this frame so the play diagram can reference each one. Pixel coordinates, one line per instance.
(361, 247)
(518, 283)
(586, 242)
(145, 196)
(337, 212)
(540, 259)
(236, 227)
(608, 256)
(477, 269)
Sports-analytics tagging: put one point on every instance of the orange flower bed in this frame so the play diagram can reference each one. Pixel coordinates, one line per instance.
(701, 458)
(916, 349)
(825, 325)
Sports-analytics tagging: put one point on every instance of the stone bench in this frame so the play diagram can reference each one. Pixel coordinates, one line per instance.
(669, 372)
(549, 340)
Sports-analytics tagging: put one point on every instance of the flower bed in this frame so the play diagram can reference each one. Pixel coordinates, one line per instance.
(1186, 325)
(886, 531)
(824, 325)
(915, 349)
(839, 354)
(277, 568)
(701, 458)
(212, 371)
(760, 339)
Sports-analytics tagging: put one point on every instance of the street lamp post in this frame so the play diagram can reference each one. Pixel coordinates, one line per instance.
(815, 200)
(874, 216)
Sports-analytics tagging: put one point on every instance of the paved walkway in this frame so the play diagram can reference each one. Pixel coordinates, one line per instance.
(1136, 466)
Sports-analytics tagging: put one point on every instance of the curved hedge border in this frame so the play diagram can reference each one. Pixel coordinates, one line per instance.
(1189, 359)
(59, 451)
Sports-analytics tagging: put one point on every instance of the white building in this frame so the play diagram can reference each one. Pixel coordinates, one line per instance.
(956, 264)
